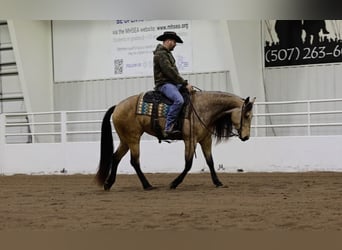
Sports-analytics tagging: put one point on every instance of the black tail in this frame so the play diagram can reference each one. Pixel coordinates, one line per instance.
(107, 148)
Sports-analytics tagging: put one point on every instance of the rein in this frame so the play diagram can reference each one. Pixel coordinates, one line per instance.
(242, 108)
(207, 128)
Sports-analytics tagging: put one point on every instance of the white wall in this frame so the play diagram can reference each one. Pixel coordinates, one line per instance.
(100, 94)
(82, 52)
(82, 49)
(246, 42)
(210, 52)
(31, 42)
(259, 154)
(304, 82)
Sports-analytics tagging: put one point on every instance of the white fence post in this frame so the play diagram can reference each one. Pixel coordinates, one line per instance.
(32, 127)
(2, 129)
(256, 120)
(309, 117)
(63, 127)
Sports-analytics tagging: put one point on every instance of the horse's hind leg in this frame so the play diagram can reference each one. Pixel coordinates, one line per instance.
(206, 149)
(117, 156)
(135, 153)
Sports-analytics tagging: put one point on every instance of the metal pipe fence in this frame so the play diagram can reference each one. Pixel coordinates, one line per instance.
(282, 118)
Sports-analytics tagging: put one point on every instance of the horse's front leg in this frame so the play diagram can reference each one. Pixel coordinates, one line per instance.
(189, 155)
(206, 149)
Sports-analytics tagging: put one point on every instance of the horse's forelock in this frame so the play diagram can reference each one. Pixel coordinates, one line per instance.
(249, 107)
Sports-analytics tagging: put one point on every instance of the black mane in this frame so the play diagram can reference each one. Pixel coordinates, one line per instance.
(223, 128)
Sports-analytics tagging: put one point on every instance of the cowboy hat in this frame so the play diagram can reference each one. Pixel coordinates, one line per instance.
(170, 35)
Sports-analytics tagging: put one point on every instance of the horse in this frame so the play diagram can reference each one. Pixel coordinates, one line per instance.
(212, 114)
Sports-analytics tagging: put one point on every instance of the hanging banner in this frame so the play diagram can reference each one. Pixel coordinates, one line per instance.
(301, 42)
(135, 40)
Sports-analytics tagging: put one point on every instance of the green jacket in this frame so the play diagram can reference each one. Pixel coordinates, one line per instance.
(164, 68)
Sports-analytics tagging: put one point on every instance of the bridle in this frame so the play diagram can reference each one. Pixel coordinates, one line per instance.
(206, 127)
(241, 119)
(213, 132)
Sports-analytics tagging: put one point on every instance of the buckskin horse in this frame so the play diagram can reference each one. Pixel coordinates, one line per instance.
(209, 114)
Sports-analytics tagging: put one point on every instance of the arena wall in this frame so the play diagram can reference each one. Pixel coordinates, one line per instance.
(259, 154)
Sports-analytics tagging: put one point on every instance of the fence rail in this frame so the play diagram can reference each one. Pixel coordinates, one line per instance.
(283, 118)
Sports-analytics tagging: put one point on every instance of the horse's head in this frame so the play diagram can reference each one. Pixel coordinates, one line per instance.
(242, 118)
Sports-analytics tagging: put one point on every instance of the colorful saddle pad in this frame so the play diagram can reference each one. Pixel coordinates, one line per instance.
(150, 98)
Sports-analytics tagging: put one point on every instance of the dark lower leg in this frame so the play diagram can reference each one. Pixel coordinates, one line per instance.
(206, 149)
(180, 178)
(146, 185)
(112, 176)
(117, 156)
(214, 177)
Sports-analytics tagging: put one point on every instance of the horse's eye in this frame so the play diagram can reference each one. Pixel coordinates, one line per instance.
(247, 115)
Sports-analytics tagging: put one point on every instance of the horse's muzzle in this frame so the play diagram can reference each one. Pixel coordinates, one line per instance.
(244, 138)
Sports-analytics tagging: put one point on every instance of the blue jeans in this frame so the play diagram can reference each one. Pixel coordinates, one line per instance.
(171, 91)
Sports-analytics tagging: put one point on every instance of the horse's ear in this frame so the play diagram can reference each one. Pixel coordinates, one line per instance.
(249, 105)
(247, 100)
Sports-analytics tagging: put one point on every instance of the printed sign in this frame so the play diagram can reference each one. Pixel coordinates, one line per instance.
(135, 40)
(300, 42)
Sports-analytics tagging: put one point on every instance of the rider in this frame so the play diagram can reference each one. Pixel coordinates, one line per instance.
(167, 78)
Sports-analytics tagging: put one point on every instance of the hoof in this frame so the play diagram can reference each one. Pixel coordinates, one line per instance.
(149, 188)
(173, 186)
(106, 187)
(221, 186)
